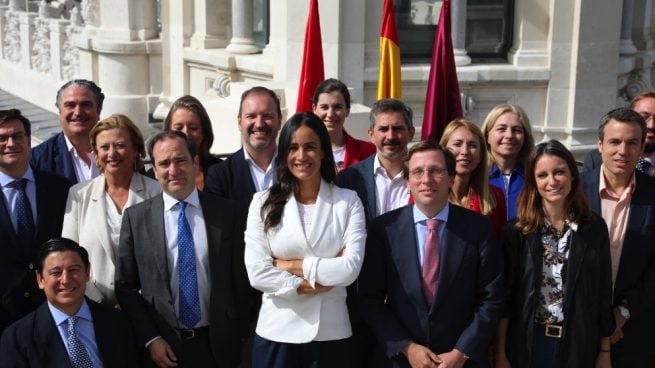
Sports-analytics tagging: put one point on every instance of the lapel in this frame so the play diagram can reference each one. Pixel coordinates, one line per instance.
(47, 340)
(293, 223)
(402, 241)
(322, 215)
(214, 223)
(369, 185)
(591, 181)
(102, 325)
(577, 250)
(453, 248)
(154, 226)
(242, 177)
(8, 232)
(97, 211)
(63, 159)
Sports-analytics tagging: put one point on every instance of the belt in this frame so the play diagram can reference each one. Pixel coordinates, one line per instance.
(192, 333)
(555, 330)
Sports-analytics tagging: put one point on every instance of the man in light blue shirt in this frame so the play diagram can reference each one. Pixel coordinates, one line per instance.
(68, 329)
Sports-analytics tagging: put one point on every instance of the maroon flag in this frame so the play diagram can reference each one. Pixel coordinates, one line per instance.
(442, 99)
(312, 72)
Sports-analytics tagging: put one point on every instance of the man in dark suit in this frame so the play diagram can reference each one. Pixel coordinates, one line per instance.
(31, 211)
(430, 287)
(69, 153)
(251, 168)
(625, 198)
(379, 180)
(69, 330)
(180, 274)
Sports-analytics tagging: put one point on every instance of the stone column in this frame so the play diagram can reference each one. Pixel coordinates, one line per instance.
(57, 39)
(531, 28)
(26, 21)
(242, 41)
(458, 23)
(626, 46)
(212, 24)
(642, 25)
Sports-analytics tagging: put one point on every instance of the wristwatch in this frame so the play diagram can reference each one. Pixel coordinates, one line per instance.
(624, 312)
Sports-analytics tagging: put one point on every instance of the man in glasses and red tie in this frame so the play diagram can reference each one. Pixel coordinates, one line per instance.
(431, 283)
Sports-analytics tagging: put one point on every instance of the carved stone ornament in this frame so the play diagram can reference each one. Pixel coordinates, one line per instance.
(636, 82)
(70, 63)
(90, 11)
(41, 46)
(222, 85)
(11, 43)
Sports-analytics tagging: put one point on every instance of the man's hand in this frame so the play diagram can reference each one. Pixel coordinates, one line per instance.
(162, 354)
(618, 331)
(420, 356)
(452, 359)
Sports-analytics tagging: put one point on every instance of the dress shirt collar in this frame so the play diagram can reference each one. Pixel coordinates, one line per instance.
(602, 185)
(494, 171)
(84, 312)
(379, 169)
(441, 216)
(6, 179)
(252, 162)
(192, 199)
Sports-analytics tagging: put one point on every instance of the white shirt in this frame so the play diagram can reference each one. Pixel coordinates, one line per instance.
(83, 172)
(197, 223)
(262, 179)
(11, 194)
(390, 193)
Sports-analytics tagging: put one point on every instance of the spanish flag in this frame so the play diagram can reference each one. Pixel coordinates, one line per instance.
(389, 73)
(312, 71)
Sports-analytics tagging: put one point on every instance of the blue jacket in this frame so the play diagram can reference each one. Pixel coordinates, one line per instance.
(515, 186)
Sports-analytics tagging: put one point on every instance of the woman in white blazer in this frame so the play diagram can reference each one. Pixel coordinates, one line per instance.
(304, 244)
(94, 208)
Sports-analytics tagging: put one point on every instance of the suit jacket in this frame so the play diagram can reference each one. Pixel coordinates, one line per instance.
(34, 340)
(469, 298)
(19, 293)
(52, 156)
(338, 223)
(231, 179)
(356, 150)
(360, 178)
(143, 280)
(85, 222)
(592, 160)
(635, 279)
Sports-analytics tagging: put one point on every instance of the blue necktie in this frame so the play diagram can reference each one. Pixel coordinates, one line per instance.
(23, 213)
(188, 287)
(78, 354)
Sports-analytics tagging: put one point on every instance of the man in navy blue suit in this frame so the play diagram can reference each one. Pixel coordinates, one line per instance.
(69, 153)
(27, 194)
(625, 198)
(430, 288)
(251, 168)
(68, 330)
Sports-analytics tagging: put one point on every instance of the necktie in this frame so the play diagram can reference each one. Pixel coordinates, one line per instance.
(645, 167)
(430, 272)
(78, 354)
(188, 287)
(24, 218)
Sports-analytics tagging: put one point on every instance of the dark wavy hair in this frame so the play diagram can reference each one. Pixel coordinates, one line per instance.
(287, 184)
(530, 214)
(330, 85)
(195, 106)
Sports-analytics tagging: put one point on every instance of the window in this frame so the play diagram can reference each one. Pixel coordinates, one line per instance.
(260, 30)
(488, 28)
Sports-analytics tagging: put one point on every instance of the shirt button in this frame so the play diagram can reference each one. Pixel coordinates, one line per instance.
(30, 266)
(26, 294)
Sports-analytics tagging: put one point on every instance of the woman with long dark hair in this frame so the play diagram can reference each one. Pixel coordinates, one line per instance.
(304, 244)
(558, 310)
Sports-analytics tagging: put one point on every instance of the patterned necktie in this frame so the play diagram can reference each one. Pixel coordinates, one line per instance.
(431, 257)
(24, 217)
(78, 354)
(188, 287)
(645, 167)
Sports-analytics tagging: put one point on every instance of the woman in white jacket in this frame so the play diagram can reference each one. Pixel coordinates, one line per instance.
(304, 244)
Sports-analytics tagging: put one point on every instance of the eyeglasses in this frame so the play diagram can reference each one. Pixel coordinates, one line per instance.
(647, 116)
(16, 138)
(433, 172)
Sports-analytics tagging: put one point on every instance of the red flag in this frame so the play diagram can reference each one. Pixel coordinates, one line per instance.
(389, 82)
(312, 72)
(442, 99)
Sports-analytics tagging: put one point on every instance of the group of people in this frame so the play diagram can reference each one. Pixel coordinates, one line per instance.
(308, 247)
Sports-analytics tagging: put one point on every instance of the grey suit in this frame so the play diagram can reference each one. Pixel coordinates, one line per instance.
(143, 280)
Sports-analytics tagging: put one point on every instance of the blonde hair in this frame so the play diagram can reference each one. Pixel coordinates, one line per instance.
(479, 183)
(119, 121)
(528, 140)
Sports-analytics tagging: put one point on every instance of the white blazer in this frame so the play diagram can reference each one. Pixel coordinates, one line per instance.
(338, 223)
(85, 222)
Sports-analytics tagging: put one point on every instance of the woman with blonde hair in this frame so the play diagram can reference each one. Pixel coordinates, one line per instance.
(94, 209)
(471, 187)
(509, 141)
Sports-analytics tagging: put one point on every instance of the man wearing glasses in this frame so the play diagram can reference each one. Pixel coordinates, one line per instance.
(644, 105)
(31, 211)
(431, 283)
